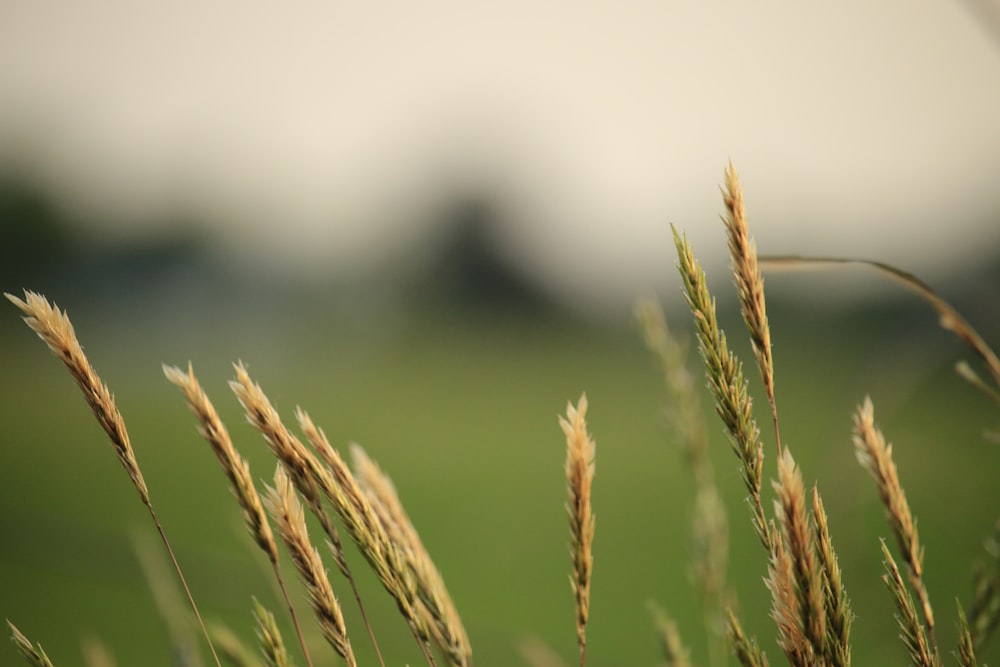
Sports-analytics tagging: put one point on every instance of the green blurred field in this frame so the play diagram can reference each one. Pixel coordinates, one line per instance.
(462, 413)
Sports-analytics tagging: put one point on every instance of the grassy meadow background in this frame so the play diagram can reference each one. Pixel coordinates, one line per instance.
(459, 404)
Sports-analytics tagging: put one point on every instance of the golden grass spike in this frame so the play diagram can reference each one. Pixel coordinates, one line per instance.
(966, 649)
(797, 532)
(838, 606)
(580, 453)
(269, 636)
(53, 326)
(34, 654)
(303, 468)
(913, 633)
(950, 319)
(384, 556)
(237, 470)
(725, 378)
(875, 455)
(442, 615)
(288, 514)
(750, 285)
(747, 651)
(786, 609)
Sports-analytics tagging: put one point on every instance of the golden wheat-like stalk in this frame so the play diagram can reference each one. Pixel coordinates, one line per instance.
(288, 514)
(385, 556)
(237, 470)
(913, 633)
(797, 535)
(269, 637)
(53, 326)
(725, 378)
(302, 467)
(875, 456)
(747, 652)
(441, 614)
(749, 285)
(580, 453)
(838, 606)
(33, 653)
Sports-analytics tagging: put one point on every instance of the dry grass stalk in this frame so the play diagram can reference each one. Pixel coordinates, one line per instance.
(914, 635)
(53, 326)
(786, 609)
(750, 285)
(966, 649)
(838, 607)
(384, 556)
(580, 453)
(269, 637)
(290, 518)
(725, 378)
(797, 533)
(875, 455)
(747, 651)
(33, 653)
(237, 470)
(442, 615)
(302, 467)
(672, 649)
(709, 524)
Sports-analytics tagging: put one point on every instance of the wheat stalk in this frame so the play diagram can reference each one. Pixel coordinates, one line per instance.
(290, 518)
(237, 470)
(914, 635)
(301, 465)
(441, 614)
(838, 607)
(725, 378)
(750, 285)
(875, 455)
(269, 637)
(53, 326)
(580, 452)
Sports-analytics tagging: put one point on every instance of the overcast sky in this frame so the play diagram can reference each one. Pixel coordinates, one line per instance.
(321, 135)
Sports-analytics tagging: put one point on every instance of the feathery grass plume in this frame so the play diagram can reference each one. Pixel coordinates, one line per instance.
(53, 326)
(232, 648)
(366, 529)
(725, 378)
(984, 613)
(442, 615)
(913, 633)
(674, 653)
(875, 456)
(536, 653)
(966, 649)
(797, 533)
(786, 605)
(838, 607)
(747, 651)
(32, 653)
(302, 467)
(749, 285)
(580, 453)
(269, 636)
(291, 521)
(237, 470)
(709, 524)
(96, 653)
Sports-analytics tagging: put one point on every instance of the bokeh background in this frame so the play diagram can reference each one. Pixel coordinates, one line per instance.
(426, 224)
